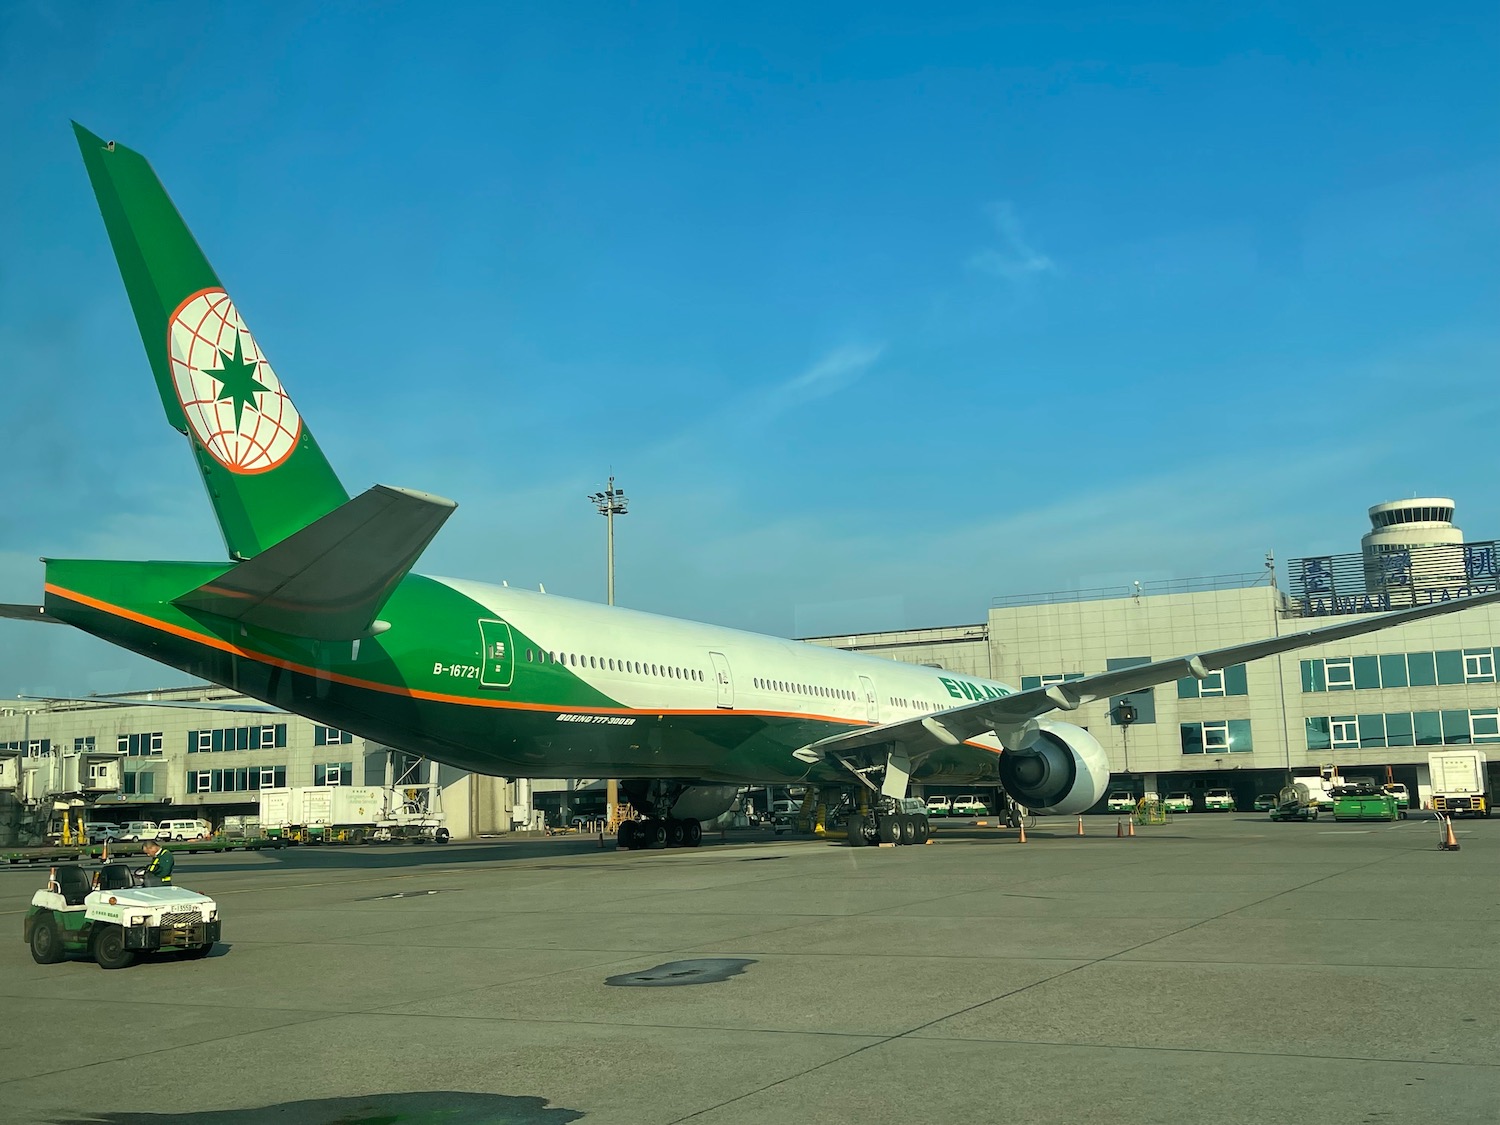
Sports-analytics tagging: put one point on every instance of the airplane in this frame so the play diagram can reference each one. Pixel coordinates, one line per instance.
(317, 612)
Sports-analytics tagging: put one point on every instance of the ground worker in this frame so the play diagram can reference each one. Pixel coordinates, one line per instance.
(160, 864)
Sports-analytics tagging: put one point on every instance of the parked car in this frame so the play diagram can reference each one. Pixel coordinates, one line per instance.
(1178, 802)
(184, 830)
(1218, 800)
(1120, 802)
(137, 830)
(1264, 802)
(967, 805)
(101, 832)
(938, 806)
(1398, 791)
(784, 812)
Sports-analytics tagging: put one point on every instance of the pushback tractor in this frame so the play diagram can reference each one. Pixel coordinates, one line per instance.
(112, 915)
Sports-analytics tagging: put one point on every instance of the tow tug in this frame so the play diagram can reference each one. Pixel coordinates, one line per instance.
(1295, 802)
(113, 914)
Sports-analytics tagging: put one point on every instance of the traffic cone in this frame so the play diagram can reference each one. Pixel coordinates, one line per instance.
(1080, 826)
(1130, 827)
(1022, 838)
(1450, 841)
(1119, 830)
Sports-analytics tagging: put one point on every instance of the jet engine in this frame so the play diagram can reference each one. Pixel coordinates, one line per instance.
(1062, 770)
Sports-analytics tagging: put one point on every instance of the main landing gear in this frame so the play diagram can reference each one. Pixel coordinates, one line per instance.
(871, 828)
(639, 835)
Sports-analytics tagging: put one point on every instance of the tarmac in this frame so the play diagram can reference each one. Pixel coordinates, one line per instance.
(1220, 968)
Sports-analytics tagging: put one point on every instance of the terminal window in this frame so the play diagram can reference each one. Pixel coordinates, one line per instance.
(1401, 669)
(1226, 681)
(333, 773)
(331, 736)
(1458, 727)
(1218, 736)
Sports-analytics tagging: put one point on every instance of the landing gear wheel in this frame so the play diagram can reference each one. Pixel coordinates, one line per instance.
(676, 833)
(856, 831)
(888, 828)
(692, 832)
(628, 837)
(653, 834)
(46, 942)
(924, 829)
(109, 948)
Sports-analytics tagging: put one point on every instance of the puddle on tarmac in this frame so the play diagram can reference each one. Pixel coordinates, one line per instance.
(706, 970)
(436, 1107)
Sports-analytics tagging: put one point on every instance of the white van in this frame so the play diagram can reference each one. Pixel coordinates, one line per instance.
(137, 831)
(184, 830)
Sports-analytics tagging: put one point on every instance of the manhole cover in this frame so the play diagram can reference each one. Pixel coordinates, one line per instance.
(707, 970)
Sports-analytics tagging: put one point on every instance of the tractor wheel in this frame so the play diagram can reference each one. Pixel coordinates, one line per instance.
(46, 941)
(109, 948)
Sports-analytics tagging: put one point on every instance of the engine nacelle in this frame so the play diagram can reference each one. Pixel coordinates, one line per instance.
(1064, 770)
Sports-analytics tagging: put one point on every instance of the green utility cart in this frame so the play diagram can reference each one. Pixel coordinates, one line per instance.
(1364, 801)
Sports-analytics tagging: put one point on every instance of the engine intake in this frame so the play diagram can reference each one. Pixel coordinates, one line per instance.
(1063, 770)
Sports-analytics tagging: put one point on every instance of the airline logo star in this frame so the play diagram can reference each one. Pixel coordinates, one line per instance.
(234, 405)
(237, 380)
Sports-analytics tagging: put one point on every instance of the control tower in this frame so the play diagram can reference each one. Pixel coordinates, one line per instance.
(1412, 545)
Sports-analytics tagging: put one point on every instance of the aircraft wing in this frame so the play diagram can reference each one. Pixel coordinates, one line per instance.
(1012, 716)
(27, 613)
(329, 580)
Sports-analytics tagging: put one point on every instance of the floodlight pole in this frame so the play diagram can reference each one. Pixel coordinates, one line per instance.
(610, 503)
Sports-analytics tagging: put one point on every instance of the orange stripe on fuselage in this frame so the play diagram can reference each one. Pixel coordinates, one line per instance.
(413, 693)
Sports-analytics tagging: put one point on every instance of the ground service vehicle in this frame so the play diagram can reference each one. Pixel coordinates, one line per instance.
(938, 806)
(1218, 800)
(1295, 802)
(1120, 802)
(1361, 799)
(968, 805)
(1178, 802)
(100, 832)
(1398, 791)
(111, 915)
(1459, 782)
(184, 830)
(137, 831)
(1264, 802)
(345, 814)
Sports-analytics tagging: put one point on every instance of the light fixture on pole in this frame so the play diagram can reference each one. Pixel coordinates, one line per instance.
(611, 503)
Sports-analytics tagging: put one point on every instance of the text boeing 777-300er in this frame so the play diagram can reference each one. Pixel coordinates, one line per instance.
(316, 612)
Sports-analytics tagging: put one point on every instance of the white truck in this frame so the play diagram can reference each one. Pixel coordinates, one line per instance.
(348, 814)
(1459, 782)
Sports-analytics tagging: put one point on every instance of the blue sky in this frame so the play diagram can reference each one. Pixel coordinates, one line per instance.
(876, 313)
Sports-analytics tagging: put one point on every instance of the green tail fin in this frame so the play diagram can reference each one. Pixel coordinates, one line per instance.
(265, 474)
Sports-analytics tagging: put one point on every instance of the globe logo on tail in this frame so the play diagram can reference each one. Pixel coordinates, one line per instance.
(232, 399)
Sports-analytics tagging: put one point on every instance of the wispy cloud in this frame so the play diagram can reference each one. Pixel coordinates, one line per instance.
(839, 369)
(1015, 258)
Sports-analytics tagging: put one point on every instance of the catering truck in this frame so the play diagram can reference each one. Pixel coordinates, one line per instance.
(1459, 782)
(351, 814)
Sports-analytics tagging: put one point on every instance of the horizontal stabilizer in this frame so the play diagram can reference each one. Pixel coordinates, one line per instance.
(329, 580)
(26, 613)
(135, 701)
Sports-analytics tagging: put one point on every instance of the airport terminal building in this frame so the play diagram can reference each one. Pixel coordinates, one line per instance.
(1369, 705)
